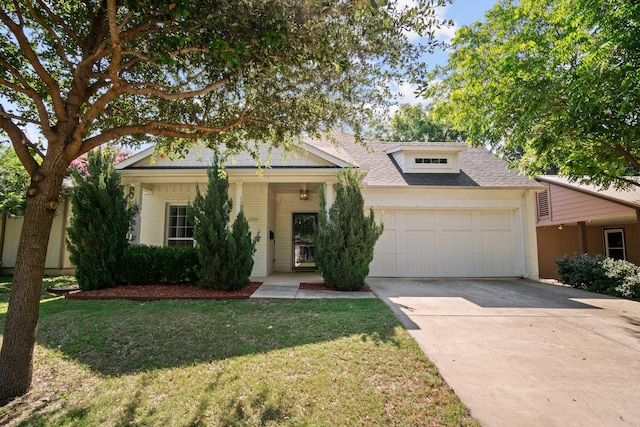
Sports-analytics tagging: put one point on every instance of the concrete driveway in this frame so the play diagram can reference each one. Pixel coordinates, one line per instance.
(524, 353)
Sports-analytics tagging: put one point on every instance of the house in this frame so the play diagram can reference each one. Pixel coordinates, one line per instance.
(448, 210)
(574, 218)
(57, 261)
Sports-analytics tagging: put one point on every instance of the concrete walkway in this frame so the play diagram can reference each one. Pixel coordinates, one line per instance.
(290, 290)
(524, 353)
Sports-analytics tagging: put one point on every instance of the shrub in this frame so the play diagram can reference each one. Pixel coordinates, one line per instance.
(345, 237)
(101, 217)
(600, 274)
(150, 265)
(226, 257)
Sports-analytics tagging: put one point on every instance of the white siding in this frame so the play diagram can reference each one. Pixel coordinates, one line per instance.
(202, 157)
(255, 197)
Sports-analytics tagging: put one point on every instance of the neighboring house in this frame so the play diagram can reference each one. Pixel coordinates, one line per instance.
(57, 261)
(583, 219)
(448, 210)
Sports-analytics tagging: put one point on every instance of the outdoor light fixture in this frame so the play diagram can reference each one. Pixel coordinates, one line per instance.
(304, 195)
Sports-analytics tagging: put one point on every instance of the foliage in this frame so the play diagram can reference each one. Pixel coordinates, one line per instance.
(226, 256)
(86, 73)
(549, 83)
(412, 123)
(245, 248)
(14, 182)
(345, 237)
(152, 265)
(600, 274)
(100, 220)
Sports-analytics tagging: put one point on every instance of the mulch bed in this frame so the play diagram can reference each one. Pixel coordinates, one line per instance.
(159, 292)
(323, 287)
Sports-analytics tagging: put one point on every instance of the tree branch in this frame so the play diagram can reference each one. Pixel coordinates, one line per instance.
(21, 143)
(31, 93)
(163, 91)
(55, 35)
(158, 128)
(628, 156)
(32, 57)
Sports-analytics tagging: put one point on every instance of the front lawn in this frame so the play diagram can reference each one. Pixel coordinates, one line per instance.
(237, 362)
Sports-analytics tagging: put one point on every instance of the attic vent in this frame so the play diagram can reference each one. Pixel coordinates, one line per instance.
(431, 160)
(543, 204)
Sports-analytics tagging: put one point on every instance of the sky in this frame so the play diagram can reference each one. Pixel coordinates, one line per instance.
(462, 12)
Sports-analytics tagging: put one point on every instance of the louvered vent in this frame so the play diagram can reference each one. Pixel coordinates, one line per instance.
(543, 204)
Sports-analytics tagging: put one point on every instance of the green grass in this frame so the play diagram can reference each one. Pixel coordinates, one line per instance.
(228, 363)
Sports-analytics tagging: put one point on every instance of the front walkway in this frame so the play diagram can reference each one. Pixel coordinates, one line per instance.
(287, 285)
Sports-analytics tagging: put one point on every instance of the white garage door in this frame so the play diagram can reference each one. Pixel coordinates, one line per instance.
(447, 244)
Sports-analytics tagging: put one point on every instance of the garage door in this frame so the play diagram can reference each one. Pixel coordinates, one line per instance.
(447, 244)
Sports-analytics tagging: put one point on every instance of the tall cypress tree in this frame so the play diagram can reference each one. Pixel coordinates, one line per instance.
(345, 237)
(101, 215)
(226, 256)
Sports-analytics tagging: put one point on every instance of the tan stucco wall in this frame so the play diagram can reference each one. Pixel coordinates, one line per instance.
(554, 243)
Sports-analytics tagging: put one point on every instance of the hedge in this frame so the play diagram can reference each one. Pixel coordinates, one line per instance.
(150, 265)
(600, 274)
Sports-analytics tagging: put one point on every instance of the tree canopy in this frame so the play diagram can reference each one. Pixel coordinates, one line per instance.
(90, 72)
(416, 123)
(549, 83)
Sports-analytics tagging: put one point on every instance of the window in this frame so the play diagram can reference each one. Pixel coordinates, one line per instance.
(180, 229)
(543, 204)
(614, 243)
(431, 161)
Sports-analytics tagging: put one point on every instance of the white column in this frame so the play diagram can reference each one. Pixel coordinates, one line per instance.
(329, 194)
(238, 197)
(137, 199)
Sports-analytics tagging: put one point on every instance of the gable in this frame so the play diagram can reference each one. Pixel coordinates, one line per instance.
(202, 157)
(567, 205)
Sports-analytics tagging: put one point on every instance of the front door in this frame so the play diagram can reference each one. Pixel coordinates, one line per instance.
(303, 246)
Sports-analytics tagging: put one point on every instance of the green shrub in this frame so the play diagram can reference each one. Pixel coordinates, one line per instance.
(226, 256)
(101, 217)
(150, 265)
(600, 274)
(345, 237)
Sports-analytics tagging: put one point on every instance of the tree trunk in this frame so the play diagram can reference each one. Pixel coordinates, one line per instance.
(16, 356)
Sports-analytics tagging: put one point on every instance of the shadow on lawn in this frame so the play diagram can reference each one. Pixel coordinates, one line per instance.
(122, 337)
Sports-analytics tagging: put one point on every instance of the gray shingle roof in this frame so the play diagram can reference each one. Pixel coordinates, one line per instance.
(478, 166)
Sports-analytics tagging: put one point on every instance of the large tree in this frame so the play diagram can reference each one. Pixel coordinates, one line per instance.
(89, 72)
(415, 123)
(550, 83)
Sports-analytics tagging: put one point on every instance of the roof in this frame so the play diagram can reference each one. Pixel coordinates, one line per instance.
(630, 197)
(478, 166)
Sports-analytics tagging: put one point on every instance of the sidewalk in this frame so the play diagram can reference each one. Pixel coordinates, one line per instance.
(290, 290)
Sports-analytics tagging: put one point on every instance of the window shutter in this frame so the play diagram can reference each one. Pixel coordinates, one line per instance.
(543, 204)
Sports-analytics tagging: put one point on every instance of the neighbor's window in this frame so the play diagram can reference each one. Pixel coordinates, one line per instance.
(180, 229)
(614, 243)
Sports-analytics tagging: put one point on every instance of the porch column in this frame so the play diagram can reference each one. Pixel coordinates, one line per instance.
(582, 238)
(329, 194)
(135, 189)
(238, 197)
